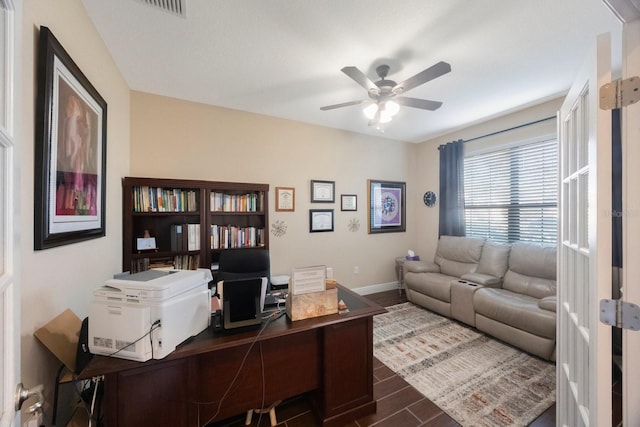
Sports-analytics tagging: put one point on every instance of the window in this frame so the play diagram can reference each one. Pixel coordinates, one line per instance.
(511, 194)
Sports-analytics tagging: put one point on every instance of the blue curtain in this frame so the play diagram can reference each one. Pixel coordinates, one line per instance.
(452, 189)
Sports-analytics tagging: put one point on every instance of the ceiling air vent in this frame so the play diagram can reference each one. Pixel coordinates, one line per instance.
(174, 7)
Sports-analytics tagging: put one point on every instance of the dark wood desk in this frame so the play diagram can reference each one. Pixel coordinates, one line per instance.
(330, 357)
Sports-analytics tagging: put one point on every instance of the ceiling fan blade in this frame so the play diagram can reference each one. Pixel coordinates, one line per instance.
(422, 77)
(359, 77)
(344, 104)
(424, 104)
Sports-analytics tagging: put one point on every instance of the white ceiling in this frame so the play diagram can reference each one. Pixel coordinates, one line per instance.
(282, 58)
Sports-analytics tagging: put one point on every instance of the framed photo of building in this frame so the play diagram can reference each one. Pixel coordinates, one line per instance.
(70, 151)
(386, 201)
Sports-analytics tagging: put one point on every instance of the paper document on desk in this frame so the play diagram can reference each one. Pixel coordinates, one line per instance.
(308, 279)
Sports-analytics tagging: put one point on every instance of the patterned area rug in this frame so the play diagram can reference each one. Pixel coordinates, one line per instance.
(475, 379)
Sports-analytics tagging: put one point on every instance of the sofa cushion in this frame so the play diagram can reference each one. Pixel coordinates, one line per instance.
(458, 255)
(548, 303)
(517, 310)
(482, 279)
(435, 285)
(528, 285)
(494, 260)
(420, 267)
(532, 270)
(533, 259)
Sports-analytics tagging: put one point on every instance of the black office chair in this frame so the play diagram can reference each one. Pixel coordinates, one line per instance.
(244, 263)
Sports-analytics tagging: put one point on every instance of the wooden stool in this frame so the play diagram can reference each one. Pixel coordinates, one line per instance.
(271, 410)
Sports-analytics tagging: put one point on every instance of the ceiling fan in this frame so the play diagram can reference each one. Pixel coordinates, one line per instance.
(384, 101)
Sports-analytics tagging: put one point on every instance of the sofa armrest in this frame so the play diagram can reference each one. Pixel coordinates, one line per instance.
(482, 279)
(420, 267)
(548, 303)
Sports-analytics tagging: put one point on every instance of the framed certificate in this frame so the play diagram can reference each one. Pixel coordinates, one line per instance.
(285, 199)
(322, 191)
(320, 220)
(349, 202)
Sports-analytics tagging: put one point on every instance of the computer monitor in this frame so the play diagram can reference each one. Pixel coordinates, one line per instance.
(242, 301)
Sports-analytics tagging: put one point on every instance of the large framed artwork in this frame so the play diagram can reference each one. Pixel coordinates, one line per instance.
(70, 151)
(386, 206)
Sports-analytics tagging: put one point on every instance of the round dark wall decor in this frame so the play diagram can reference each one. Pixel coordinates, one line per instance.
(429, 198)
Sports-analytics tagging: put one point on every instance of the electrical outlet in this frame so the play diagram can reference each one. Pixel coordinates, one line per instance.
(356, 270)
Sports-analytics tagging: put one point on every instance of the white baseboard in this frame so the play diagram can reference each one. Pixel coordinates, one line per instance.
(372, 289)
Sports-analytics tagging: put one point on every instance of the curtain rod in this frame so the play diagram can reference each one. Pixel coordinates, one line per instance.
(512, 128)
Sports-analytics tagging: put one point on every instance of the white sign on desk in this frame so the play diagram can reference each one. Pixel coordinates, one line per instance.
(308, 279)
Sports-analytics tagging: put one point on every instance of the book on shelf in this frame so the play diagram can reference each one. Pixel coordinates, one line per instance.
(230, 236)
(158, 199)
(186, 262)
(185, 237)
(176, 237)
(224, 202)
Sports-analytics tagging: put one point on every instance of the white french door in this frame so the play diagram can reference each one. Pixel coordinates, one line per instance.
(584, 253)
(9, 295)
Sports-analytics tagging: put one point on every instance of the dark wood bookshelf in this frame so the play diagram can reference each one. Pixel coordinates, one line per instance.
(138, 217)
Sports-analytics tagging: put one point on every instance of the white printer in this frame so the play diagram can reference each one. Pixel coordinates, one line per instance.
(146, 315)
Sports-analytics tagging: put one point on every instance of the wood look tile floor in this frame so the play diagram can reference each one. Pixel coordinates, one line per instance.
(399, 404)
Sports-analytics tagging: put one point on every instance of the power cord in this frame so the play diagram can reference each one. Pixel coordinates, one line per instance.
(96, 381)
(155, 325)
(269, 319)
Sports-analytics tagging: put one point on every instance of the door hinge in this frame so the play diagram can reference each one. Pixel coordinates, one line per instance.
(620, 93)
(621, 314)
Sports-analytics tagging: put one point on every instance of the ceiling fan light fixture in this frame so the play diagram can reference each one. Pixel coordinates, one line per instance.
(388, 109)
(391, 108)
(370, 111)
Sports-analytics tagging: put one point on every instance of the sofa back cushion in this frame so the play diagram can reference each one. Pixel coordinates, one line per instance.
(532, 270)
(494, 260)
(457, 256)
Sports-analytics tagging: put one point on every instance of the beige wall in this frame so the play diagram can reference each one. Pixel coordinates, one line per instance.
(60, 278)
(177, 139)
(428, 151)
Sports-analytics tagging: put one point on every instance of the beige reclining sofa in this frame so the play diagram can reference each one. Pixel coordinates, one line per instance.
(507, 291)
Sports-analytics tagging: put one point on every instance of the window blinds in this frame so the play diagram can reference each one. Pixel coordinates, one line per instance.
(512, 194)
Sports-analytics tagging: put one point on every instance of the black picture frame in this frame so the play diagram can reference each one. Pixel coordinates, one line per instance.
(320, 220)
(323, 191)
(70, 151)
(386, 200)
(348, 202)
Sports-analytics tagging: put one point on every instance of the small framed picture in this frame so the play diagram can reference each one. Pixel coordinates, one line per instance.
(349, 202)
(285, 199)
(320, 220)
(322, 191)
(146, 243)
